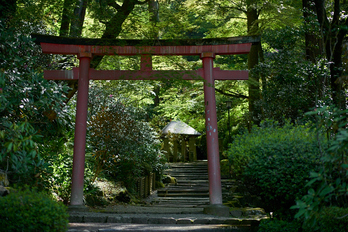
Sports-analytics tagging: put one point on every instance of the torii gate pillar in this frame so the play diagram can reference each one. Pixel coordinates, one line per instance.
(215, 194)
(78, 171)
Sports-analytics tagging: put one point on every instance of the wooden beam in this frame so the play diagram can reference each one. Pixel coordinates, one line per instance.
(39, 38)
(146, 75)
(66, 49)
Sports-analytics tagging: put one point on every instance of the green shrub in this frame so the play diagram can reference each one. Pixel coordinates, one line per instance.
(332, 219)
(26, 99)
(328, 186)
(274, 225)
(29, 210)
(123, 144)
(276, 162)
(225, 168)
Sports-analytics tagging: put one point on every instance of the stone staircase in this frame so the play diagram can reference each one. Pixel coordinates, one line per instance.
(177, 207)
(191, 189)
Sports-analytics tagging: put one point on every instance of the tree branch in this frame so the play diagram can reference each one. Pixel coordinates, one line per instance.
(321, 14)
(114, 4)
(233, 8)
(336, 15)
(140, 3)
(230, 94)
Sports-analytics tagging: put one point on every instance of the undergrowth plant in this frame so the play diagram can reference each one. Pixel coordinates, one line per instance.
(275, 161)
(32, 211)
(124, 146)
(328, 186)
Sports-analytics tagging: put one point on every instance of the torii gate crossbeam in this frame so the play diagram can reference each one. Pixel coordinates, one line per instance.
(207, 49)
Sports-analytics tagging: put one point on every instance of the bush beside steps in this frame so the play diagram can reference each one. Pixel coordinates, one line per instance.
(29, 210)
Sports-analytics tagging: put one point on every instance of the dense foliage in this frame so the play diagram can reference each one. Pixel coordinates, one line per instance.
(276, 162)
(328, 185)
(29, 210)
(291, 84)
(124, 146)
(330, 219)
(276, 225)
(26, 99)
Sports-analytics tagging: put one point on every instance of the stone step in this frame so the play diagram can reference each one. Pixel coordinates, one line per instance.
(183, 178)
(192, 205)
(191, 189)
(183, 194)
(158, 219)
(191, 183)
(173, 173)
(186, 204)
(196, 163)
(130, 227)
(185, 199)
(175, 189)
(202, 175)
(180, 204)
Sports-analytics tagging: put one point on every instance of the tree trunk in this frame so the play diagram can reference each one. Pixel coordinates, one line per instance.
(154, 18)
(114, 26)
(314, 46)
(313, 43)
(112, 30)
(333, 35)
(66, 18)
(7, 9)
(78, 18)
(338, 94)
(253, 59)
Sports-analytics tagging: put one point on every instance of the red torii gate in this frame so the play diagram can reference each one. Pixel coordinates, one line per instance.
(85, 49)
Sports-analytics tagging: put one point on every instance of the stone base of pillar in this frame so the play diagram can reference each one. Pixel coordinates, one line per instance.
(77, 208)
(217, 210)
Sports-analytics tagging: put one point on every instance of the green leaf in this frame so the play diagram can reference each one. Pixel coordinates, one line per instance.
(344, 166)
(311, 182)
(9, 147)
(300, 213)
(311, 192)
(314, 174)
(326, 190)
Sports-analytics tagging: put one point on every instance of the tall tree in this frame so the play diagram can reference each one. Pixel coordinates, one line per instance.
(66, 18)
(114, 26)
(7, 9)
(313, 41)
(333, 28)
(154, 19)
(313, 44)
(72, 22)
(252, 13)
(78, 18)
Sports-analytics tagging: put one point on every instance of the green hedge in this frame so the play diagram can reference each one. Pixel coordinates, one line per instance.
(275, 161)
(274, 225)
(29, 210)
(331, 219)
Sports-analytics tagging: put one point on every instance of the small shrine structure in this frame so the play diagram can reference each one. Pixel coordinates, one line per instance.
(180, 135)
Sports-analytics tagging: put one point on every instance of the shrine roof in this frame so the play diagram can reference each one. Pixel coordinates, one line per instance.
(178, 127)
(39, 38)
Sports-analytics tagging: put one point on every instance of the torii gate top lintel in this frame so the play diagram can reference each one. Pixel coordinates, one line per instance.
(219, 46)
